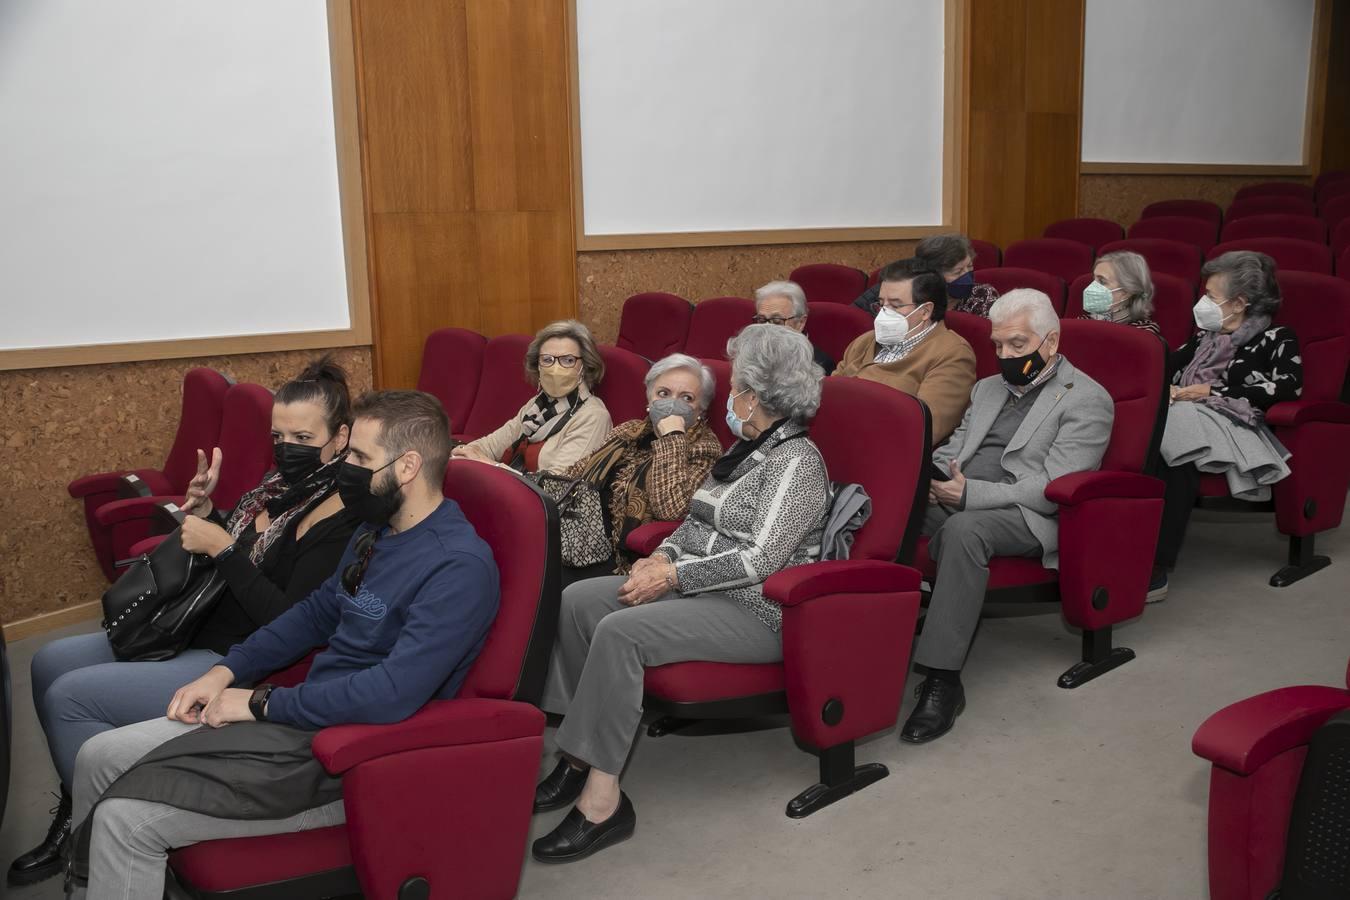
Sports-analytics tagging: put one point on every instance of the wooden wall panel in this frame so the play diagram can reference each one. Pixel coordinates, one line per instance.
(1335, 149)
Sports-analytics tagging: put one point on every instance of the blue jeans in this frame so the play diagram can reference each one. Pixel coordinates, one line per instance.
(80, 690)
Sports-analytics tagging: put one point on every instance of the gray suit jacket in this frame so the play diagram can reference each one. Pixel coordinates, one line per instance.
(1065, 431)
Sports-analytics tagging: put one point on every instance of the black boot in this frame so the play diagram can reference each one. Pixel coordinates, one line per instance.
(44, 860)
(940, 702)
(561, 788)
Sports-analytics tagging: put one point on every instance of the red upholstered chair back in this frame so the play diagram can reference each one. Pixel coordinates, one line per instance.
(1343, 263)
(1173, 257)
(1340, 236)
(1329, 179)
(198, 424)
(1065, 259)
(1305, 228)
(829, 282)
(1196, 209)
(975, 329)
(1263, 206)
(512, 516)
(1330, 191)
(1007, 278)
(988, 255)
(452, 362)
(1275, 189)
(1317, 308)
(503, 387)
(833, 326)
(716, 415)
(1093, 232)
(1172, 302)
(891, 463)
(1131, 365)
(622, 388)
(716, 321)
(654, 324)
(1336, 209)
(1204, 233)
(1288, 253)
(245, 442)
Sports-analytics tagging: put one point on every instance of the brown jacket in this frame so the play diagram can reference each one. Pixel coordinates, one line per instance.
(940, 372)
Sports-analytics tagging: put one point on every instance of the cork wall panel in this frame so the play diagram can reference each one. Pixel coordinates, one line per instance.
(1121, 198)
(606, 278)
(62, 423)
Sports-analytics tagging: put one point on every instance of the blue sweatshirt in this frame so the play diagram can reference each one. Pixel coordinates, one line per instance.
(411, 633)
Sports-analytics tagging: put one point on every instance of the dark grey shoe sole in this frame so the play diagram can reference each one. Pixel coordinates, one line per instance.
(33, 876)
(961, 707)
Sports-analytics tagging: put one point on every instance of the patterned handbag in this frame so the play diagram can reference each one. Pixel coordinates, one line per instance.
(583, 519)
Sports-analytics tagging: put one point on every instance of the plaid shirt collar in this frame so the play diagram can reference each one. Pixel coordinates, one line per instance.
(889, 353)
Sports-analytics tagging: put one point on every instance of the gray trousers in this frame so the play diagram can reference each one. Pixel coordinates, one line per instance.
(962, 544)
(595, 674)
(131, 839)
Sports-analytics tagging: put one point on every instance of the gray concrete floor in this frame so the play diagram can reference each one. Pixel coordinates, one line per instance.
(1037, 793)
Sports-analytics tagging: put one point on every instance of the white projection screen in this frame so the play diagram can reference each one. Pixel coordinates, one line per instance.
(1221, 82)
(168, 172)
(738, 116)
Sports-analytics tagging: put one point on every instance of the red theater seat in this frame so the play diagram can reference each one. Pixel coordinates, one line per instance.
(1328, 179)
(438, 804)
(1203, 233)
(1331, 191)
(847, 624)
(1092, 232)
(198, 428)
(654, 324)
(1172, 303)
(987, 255)
(721, 370)
(1275, 189)
(833, 326)
(1343, 264)
(622, 388)
(1288, 253)
(716, 321)
(452, 362)
(1195, 209)
(1065, 260)
(1099, 584)
(975, 329)
(1340, 236)
(1264, 206)
(503, 372)
(1336, 210)
(1172, 257)
(1007, 278)
(1304, 228)
(1257, 747)
(829, 282)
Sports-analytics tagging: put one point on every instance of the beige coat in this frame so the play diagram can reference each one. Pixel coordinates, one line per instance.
(940, 372)
(584, 432)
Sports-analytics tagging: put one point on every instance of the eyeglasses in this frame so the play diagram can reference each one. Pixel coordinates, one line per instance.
(566, 362)
(773, 320)
(355, 572)
(876, 307)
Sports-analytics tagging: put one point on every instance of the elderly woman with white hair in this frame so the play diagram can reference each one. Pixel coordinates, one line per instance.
(784, 303)
(1121, 291)
(646, 468)
(699, 596)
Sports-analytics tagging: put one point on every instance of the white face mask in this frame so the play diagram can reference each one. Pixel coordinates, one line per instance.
(1209, 315)
(890, 327)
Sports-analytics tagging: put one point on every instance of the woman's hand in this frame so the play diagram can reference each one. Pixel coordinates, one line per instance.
(648, 582)
(669, 425)
(1194, 392)
(469, 451)
(201, 536)
(203, 484)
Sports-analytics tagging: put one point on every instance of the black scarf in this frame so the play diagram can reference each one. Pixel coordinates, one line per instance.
(722, 469)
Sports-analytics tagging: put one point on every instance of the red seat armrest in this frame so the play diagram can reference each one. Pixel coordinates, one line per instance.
(1245, 736)
(441, 723)
(644, 539)
(102, 483)
(799, 584)
(132, 508)
(1080, 487)
(1297, 412)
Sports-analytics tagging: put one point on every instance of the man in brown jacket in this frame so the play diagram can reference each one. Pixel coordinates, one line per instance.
(911, 350)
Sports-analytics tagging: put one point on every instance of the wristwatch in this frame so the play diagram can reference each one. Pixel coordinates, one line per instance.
(257, 701)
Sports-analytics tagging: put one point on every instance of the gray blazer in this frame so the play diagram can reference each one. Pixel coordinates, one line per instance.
(1065, 431)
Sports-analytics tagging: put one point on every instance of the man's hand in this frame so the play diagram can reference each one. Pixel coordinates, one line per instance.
(948, 493)
(648, 583)
(202, 536)
(669, 424)
(1194, 392)
(190, 699)
(200, 488)
(231, 705)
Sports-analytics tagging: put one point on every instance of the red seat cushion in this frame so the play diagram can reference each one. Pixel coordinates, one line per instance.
(1004, 571)
(699, 682)
(225, 865)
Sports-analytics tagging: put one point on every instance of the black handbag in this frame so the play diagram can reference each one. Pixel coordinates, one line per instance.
(153, 611)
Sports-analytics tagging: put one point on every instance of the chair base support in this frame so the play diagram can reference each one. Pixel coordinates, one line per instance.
(839, 777)
(1303, 561)
(668, 725)
(1099, 657)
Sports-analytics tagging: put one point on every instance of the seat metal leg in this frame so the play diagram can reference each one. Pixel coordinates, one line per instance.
(1303, 561)
(1099, 657)
(668, 725)
(839, 777)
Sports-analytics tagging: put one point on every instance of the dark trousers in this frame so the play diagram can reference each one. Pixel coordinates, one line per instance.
(1179, 496)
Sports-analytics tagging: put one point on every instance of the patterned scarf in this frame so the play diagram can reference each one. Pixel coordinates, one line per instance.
(1216, 352)
(544, 416)
(282, 503)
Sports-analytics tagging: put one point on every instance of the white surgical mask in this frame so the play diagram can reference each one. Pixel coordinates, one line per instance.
(890, 327)
(1209, 315)
(734, 422)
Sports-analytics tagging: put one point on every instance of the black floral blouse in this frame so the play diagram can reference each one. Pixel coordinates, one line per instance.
(1266, 370)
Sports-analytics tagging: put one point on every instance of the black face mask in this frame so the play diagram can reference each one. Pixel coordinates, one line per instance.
(354, 485)
(296, 462)
(1020, 371)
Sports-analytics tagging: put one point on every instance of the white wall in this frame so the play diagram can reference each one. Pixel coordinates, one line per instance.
(167, 170)
(760, 114)
(1196, 81)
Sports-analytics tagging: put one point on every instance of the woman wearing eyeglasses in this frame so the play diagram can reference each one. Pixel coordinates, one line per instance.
(565, 421)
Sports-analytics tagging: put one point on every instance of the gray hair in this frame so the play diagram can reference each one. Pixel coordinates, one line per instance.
(1134, 277)
(592, 363)
(1248, 275)
(944, 251)
(1034, 303)
(789, 289)
(778, 364)
(707, 383)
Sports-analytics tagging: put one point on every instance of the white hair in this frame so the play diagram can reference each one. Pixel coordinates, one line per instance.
(707, 384)
(1033, 303)
(789, 289)
(778, 364)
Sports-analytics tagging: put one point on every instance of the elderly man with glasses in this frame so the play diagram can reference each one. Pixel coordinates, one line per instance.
(784, 303)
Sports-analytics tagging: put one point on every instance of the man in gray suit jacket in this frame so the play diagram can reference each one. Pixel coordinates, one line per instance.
(1040, 419)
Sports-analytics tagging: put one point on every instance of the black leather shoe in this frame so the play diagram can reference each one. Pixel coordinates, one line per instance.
(44, 860)
(940, 702)
(576, 838)
(561, 788)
